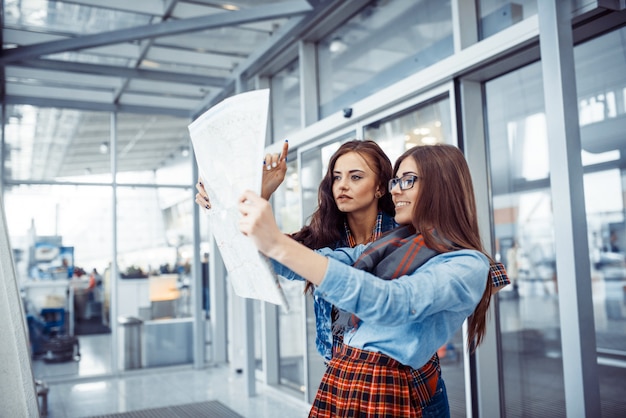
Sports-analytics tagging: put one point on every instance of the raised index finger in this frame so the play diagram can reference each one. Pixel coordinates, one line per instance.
(285, 151)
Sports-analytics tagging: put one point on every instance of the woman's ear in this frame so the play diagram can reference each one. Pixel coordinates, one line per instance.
(378, 194)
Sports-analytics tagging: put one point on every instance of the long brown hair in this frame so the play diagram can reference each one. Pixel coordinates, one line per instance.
(326, 224)
(445, 213)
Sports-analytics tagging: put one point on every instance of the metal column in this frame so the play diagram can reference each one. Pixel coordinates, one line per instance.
(582, 395)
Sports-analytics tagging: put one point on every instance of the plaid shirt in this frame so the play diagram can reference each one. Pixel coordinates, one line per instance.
(377, 231)
(498, 275)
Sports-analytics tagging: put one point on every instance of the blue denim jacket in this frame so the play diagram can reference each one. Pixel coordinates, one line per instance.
(410, 317)
(323, 309)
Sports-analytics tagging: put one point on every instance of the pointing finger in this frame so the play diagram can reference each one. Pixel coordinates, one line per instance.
(285, 151)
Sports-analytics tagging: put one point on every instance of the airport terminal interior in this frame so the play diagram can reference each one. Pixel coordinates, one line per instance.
(113, 275)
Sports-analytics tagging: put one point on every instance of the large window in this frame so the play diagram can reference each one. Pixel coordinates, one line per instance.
(524, 225)
(59, 195)
(602, 110)
(383, 43)
(426, 124)
(285, 89)
(61, 237)
(524, 228)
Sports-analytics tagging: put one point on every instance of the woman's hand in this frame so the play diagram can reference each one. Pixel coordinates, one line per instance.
(257, 222)
(202, 199)
(274, 170)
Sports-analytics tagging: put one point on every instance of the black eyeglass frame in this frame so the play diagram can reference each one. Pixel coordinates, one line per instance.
(405, 182)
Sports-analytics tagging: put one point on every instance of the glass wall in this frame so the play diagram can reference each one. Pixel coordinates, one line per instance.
(427, 124)
(524, 232)
(287, 206)
(59, 207)
(286, 199)
(285, 90)
(383, 43)
(154, 259)
(61, 236)
(602, 110)
(524, 225)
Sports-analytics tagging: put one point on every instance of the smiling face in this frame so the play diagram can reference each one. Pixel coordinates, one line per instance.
(405, 200)
(354, 184)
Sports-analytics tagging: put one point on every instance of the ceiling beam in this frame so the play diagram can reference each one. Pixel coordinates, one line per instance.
(169, 28)
(94, 106)
(285, 37)
(144, 50)
(149, 7)
(126, 72)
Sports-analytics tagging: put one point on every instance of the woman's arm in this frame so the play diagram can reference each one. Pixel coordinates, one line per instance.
(345, 255)
(257, 222)
(450, 282)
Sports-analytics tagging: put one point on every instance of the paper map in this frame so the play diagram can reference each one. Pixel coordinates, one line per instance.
(229, 143)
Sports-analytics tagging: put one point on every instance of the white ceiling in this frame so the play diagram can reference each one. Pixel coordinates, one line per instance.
(158, 64)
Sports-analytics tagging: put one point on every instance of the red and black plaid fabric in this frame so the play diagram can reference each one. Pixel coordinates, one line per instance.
(362, 383)
(498, 275)
(395, 254)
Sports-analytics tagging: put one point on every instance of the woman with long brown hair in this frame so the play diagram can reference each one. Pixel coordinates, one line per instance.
(407, 293)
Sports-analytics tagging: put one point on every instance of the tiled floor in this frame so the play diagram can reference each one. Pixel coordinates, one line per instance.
(154, 389)
(151, 388)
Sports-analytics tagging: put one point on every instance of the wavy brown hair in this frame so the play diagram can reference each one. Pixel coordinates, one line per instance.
(326, 225)
(445, 213)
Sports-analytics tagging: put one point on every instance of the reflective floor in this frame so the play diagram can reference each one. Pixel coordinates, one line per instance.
(531, 359)
(146, 389)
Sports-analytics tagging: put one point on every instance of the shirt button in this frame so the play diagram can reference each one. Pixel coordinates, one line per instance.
(413, 311)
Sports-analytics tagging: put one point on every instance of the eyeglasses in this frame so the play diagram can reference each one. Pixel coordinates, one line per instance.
(406, 182)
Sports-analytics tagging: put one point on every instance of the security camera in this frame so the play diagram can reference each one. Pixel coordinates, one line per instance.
(347, 112)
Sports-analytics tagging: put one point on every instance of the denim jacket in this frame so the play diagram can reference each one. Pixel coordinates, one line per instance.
(410, 317)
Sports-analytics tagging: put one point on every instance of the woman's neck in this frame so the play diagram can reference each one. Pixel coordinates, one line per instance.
(362, 225)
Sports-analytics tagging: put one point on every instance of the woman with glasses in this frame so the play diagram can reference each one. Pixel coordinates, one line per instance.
(353, 208)
(408, 292)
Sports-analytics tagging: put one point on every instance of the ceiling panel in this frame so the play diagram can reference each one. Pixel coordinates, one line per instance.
(191, 57)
